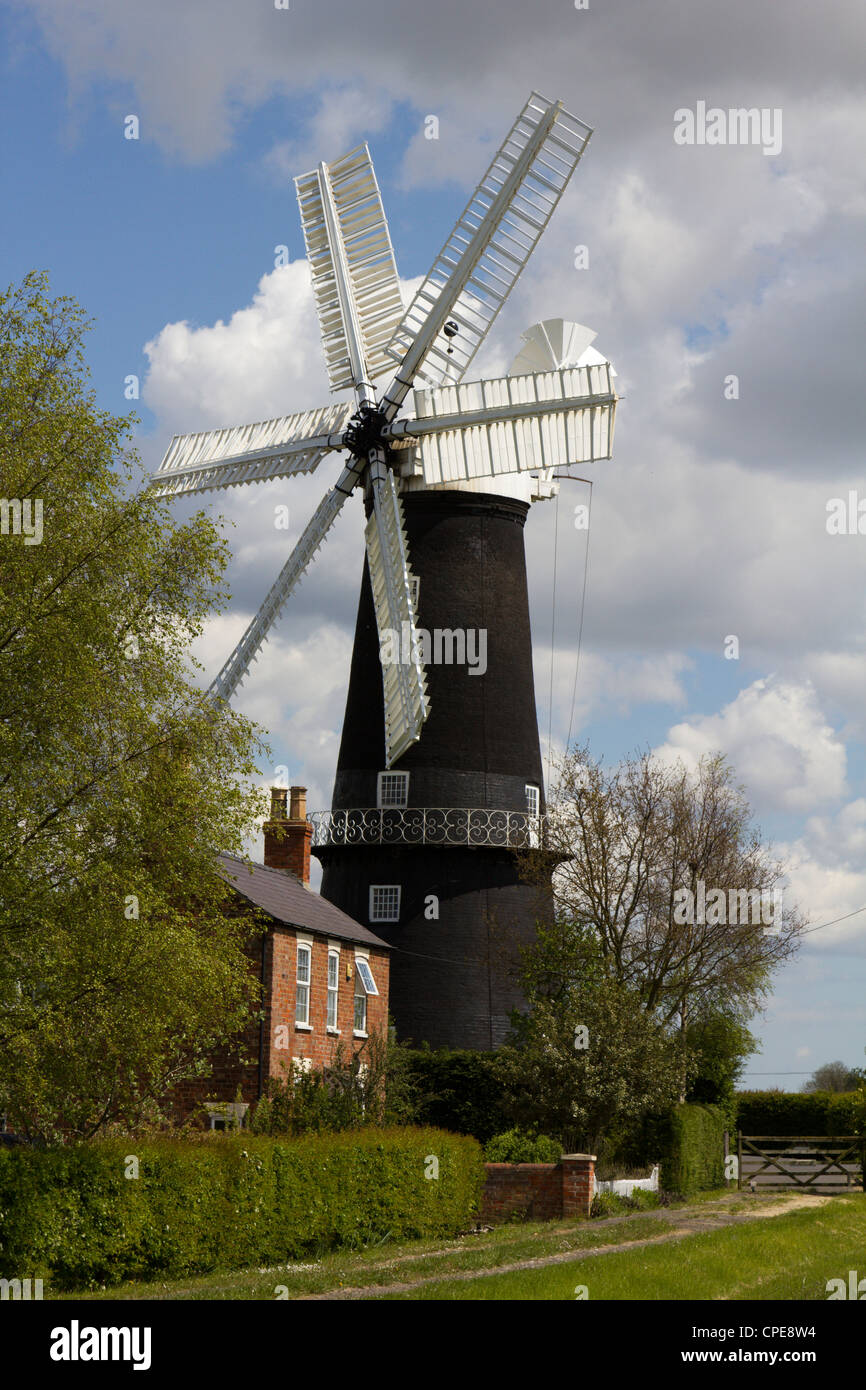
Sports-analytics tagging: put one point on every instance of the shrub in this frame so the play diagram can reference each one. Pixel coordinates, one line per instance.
(220, 1202)
(458, 1091)
(612, 1204)
(518, 1146)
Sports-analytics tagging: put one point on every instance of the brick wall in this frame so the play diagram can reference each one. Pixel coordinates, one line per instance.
(538, 1191)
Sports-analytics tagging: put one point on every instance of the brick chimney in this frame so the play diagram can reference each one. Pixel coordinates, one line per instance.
(287, 837)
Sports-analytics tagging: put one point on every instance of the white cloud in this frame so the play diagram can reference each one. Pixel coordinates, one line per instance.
(778, 740)
(266, 360)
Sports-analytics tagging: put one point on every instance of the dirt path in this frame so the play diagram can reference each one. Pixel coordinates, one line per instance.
(688, 1221)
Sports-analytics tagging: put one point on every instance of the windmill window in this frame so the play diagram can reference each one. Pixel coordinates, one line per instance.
(333, 989)
(414, 590)
(392, 789)
(385, 902)
(302, 997)
(532, 800)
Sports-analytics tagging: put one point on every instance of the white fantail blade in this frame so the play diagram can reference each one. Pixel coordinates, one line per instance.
(513, 424)
(352, 264)
(488, 248)
(551, 344)
(404, 683)
(276, 448)
(234, 670)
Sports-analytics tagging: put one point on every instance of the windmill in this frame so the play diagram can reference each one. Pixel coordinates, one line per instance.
(439, 774)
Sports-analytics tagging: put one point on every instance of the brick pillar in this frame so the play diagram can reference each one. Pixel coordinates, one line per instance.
(288, 837)
(578, 1173)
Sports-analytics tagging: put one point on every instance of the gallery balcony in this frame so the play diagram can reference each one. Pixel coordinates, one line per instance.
(477, 827)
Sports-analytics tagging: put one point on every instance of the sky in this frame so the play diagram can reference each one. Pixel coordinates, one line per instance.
(725, 281)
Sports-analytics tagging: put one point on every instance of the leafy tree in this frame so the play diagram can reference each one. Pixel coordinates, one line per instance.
(719, 1046)
(631, 843)
(834, 1076)
(586, 1059)
(118, 783)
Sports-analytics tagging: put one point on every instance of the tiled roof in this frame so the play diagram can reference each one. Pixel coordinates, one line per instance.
(290, 902)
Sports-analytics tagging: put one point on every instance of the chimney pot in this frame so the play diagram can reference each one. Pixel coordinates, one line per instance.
(288, 837)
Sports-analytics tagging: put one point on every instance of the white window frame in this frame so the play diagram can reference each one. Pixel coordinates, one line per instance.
(533, 811)
(393, 777)
(415, 590)
(307, 947)
(387, 888)
(359, 994)
(333, 990)
(365, 960)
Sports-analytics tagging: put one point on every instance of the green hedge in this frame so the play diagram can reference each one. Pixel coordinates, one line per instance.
(70, 1216)
(691, 1145)
(784, 1112)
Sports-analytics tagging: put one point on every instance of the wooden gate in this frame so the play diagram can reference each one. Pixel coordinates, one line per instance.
(826, 1164)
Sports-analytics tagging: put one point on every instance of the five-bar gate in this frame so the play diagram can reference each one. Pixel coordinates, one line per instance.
(826, 1164)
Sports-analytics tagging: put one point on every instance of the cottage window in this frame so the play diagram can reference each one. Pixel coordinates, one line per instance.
(302, 998)
(360, 1010)
(333, 988)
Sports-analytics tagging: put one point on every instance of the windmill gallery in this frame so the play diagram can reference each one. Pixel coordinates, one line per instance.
(438, 777)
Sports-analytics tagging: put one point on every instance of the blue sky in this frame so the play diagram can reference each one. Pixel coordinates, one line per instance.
(703, 262)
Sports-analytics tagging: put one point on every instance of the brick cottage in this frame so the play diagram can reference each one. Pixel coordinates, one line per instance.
(324, 976)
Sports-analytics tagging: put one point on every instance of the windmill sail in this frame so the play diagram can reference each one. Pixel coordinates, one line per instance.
(276, 448)
(513, 424)
(491, 242)
(234, 670)
(352, 265)
(403, 680)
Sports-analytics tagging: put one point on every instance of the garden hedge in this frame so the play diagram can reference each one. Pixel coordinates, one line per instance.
(691, 1146)
(71, 1216)
(792, 1112)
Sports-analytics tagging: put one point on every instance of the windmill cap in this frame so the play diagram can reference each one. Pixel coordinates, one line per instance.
(555, 343)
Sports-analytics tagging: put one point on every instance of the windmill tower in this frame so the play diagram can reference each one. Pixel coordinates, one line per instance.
(439, 773)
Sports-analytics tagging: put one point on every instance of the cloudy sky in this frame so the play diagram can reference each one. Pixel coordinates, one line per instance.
(706, 262)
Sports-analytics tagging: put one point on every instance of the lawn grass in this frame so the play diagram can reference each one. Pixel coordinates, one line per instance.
(786, 1257)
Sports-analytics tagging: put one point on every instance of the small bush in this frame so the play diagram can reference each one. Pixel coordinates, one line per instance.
(72, 1216)
(517, 1146)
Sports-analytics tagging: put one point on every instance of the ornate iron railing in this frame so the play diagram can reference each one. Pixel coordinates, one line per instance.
(428, 825)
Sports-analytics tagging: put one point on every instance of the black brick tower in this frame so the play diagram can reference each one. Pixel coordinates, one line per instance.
(451, 982)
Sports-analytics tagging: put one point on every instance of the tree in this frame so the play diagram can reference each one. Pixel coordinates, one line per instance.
(719, 1045)
(118, 783)
(667, 869)
(834, 1076)
(586, 1060)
